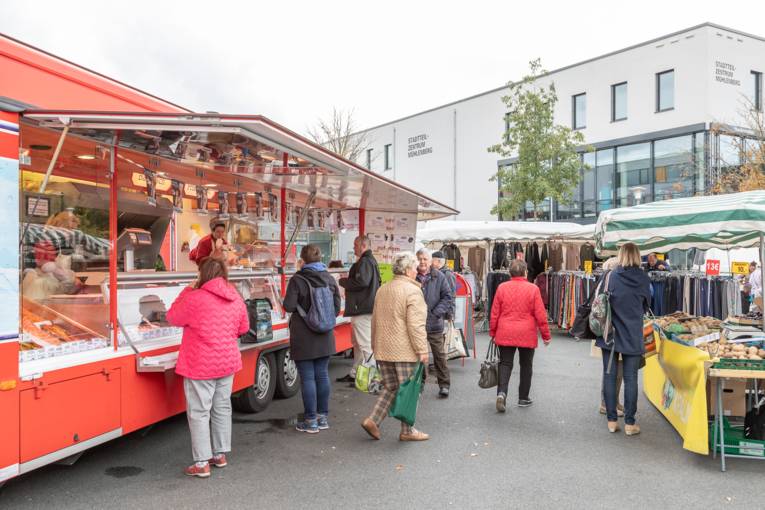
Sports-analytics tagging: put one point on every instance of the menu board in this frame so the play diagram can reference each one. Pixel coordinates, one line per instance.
(390, 233)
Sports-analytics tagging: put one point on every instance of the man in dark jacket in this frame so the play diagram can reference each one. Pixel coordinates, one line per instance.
(440, 301)
(439, 262)
(360, 290)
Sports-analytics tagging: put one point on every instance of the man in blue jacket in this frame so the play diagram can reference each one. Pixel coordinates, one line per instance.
(439, 298)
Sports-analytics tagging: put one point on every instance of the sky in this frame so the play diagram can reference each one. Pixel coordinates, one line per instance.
(294, 61)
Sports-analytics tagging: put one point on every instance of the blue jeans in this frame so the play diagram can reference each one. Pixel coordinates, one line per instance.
(314, 386)
(631, 364)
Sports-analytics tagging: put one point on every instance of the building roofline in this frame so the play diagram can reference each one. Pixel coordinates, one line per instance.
(707, 24)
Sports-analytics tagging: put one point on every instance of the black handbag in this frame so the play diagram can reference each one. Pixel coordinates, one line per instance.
(489, 376)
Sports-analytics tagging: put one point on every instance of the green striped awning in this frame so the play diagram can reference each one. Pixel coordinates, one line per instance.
(718, 221)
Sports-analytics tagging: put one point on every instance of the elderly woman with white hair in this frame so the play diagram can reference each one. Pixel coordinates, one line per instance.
(399, 340)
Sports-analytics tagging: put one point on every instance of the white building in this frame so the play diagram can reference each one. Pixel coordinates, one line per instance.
(647, 109)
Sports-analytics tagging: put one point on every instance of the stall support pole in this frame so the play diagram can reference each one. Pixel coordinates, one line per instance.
(283, 226)
(362, 222)
(762, 274)
(113, 189)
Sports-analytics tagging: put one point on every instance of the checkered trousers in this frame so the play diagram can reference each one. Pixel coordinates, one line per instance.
(393, 373)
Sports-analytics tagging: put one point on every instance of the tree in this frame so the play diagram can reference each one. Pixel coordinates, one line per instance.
(748, 173)
(547, 163)
(339, 135)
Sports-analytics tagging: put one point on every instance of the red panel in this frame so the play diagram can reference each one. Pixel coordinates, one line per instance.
(9, 404)
(54, 416)
(149, 397)
(246, 376)
(9, 142)
(46, 81)
(343, 337)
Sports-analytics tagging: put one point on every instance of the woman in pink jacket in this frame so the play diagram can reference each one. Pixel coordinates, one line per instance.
(517, 313)
(213, 316)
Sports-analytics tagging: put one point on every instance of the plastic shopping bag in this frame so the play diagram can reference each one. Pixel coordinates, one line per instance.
(368, 377)
(404, 408)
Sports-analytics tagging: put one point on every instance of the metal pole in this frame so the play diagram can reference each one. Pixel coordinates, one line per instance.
(283, 226)
(762, 274)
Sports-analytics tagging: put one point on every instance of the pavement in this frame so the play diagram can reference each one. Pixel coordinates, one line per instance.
(554, 453)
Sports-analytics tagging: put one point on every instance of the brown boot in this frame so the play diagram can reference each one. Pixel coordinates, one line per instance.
(632, 430)
(414, 435)
(371, 428)
(613, 426)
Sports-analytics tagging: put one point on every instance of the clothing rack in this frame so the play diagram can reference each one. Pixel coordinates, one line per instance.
(568, 290)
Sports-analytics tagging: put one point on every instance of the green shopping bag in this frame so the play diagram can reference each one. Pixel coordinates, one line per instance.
(404, 408)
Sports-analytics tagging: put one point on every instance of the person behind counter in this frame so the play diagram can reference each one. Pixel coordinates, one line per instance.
(654, 264)
(210, 245)
(308, 348)
(213, 316)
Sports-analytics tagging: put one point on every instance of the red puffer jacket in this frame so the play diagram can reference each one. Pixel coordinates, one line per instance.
(516, 314)
(212, 317)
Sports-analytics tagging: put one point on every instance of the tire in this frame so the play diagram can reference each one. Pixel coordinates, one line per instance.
(256, 398)
(287, 377)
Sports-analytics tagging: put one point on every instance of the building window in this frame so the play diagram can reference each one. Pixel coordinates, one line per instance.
(619, 102)
(579, 111)
(604, 179)
(756, 91)
(369, 159)
(588, 184)
(673, 167)
(665, 91)
(388, 157)
(633, 174)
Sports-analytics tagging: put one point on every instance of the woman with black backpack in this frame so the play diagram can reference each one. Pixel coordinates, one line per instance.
(313, 299)
(629, 296)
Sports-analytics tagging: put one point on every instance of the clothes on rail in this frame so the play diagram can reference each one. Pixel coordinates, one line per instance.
(452, 252)
(586, 252)
(493, 281)
(499, 256)
(566, 291)
(477, 260)
(541, 282)
(533, 261)
(695, 294)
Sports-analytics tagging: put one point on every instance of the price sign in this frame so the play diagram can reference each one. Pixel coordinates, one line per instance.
(450, 264)
(739, 267)
(713, 267)
(588, 266)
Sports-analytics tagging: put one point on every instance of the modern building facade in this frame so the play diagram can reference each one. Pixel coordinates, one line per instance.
(651, 112)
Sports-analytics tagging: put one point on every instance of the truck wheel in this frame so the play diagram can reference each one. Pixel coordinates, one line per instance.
(287, 378)
(256, 398)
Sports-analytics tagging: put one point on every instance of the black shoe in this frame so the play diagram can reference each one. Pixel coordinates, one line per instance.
(500, 402)
(525, 402)
(346, 378)
(443, 392)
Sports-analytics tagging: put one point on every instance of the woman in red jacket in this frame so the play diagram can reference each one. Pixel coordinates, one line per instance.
(516, 314)
(213, 316)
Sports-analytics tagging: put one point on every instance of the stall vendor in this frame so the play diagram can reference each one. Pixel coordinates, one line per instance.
(210, 245)
(654, 264)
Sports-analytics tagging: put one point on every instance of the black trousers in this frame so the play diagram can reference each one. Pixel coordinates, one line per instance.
(525, 359)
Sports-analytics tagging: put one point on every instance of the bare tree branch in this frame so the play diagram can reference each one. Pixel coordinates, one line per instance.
(339, 134)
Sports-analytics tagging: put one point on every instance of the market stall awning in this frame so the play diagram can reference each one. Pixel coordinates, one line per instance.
(245, 147)
(465, 231)
(719, 221)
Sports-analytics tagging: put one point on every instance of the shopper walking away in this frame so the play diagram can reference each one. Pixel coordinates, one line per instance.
(609, 265)
(311, 347)
(399, 340)
(360, 289)
(213, 316)
(629, 297)
(516, 316)
(440, 301)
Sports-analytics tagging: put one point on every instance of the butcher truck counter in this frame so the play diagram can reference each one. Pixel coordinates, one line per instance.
(67, 330)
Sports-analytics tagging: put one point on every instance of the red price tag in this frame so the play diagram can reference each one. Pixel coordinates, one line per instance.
(713, 267)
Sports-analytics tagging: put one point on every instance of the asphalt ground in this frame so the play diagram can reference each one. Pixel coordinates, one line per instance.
(554, 453)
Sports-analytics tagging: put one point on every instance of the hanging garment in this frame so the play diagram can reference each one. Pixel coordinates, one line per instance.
(544, 257)
(498, 256)
(586, 252)
(477, 261)
(556, 257)
(493, 281)
(452, 252)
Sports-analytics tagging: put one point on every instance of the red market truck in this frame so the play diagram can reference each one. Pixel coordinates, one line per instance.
(102, 209)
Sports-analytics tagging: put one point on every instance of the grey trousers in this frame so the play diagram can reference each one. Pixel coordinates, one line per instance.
(208, 408)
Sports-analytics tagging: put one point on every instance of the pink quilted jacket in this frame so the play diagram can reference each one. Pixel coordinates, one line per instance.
(517, 313)
(212, 318)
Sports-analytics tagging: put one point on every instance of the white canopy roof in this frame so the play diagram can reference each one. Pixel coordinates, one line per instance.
(463, 231)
